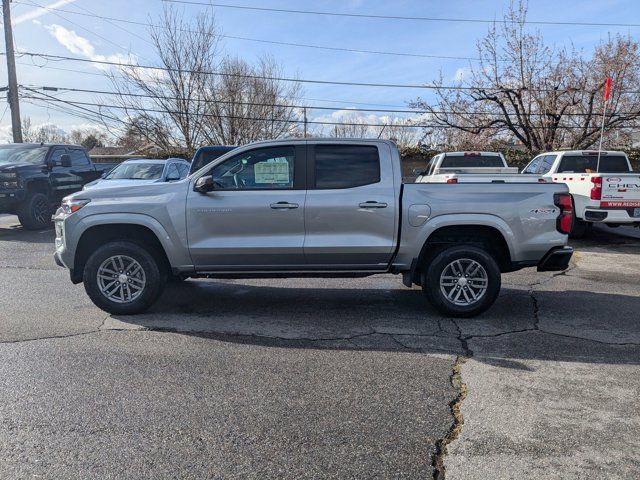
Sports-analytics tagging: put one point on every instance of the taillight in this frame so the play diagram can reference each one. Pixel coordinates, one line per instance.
(565, 220)
(452, 180)
(596, 190)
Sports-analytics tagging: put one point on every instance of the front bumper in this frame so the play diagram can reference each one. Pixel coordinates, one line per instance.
(556, 260)
(9, 199)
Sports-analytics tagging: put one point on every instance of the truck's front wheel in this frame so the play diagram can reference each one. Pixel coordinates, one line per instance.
(123, 278)
(462, 281)
(35, 212)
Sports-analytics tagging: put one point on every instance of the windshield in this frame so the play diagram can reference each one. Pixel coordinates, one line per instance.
(136, 171)
(589, 163)
(466, 161)
(22, 154)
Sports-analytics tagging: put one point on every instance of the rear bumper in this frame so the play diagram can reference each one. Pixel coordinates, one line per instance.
(607, 215)
(556, 260)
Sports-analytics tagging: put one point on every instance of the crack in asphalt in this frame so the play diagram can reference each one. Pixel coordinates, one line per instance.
(22, 267)
(439, 468)
(438, 463)
(50, 337)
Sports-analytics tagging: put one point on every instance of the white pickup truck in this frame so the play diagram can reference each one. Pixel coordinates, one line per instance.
(471, 167)
(606, 193)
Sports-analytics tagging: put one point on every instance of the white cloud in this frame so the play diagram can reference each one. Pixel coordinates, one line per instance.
(347, 115)
(79, 45)
(461, 74)
(38, 12)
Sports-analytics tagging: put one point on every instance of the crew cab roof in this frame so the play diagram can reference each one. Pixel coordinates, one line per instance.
(583, 152)
(341, 141)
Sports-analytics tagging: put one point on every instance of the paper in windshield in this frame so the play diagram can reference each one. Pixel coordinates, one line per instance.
(272, 171)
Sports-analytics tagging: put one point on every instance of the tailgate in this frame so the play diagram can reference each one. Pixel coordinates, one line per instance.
(621, 191)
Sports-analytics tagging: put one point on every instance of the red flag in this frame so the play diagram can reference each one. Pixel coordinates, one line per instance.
(607, 89)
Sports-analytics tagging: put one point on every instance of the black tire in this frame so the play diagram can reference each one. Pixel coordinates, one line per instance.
(579, 228)
(35, 212)
(154, 284)
(431, 281)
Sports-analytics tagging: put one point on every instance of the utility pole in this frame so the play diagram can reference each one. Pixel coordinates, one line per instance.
(305, 121)
(12, 94)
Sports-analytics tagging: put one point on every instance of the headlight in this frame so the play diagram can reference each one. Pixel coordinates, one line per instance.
(5, 184)
(70, 206)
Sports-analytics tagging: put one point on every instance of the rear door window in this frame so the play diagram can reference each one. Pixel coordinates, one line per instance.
(346, 166)
(589, 164)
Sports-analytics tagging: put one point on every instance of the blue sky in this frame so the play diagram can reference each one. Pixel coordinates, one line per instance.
(82, 36)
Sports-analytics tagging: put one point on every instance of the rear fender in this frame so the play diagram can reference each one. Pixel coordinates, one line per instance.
(419, 236)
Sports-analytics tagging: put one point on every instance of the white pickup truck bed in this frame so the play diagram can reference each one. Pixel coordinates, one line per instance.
(472, 167)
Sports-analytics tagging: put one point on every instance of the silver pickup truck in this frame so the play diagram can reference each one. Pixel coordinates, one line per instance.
(300, 208)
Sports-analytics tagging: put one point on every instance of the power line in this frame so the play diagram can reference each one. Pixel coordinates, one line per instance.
(52, 98)
(83, 72)
(243, 75)
(308, 107)
(398, 17)
(284, 79)
(258, 40)
(263, 119)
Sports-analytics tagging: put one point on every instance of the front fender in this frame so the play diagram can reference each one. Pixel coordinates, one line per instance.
(177, 254)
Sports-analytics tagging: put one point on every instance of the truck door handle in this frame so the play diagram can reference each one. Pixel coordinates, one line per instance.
(284, 205)
(372, 204)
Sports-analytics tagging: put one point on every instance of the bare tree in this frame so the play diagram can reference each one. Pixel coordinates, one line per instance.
(168, 102)
(352, 126)
(45, 133)
(88, 137)
(197, 95)
(246, 103)
(523, 91)
(403, 131)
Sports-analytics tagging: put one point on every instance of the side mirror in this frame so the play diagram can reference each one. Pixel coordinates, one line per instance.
(204, 184)
(65, 160)
(418, 171)
(172, 178)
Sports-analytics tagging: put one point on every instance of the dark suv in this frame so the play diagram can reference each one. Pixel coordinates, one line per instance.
(35, 177)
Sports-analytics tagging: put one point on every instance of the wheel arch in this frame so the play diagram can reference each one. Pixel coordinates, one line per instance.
(38, 185)
(99, 234)
(489, 237)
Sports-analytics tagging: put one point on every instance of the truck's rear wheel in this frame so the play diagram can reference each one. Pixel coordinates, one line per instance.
(579, 228)
(123, 278)
(35, 212)
(462, 281)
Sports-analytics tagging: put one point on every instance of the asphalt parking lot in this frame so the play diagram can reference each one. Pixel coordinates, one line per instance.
(316, 378)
